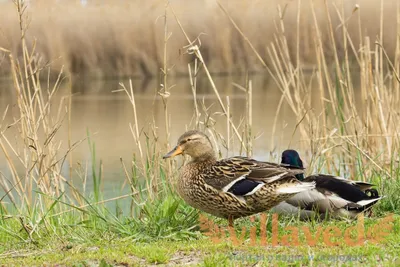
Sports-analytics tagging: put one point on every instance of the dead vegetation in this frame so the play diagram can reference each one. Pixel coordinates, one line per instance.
(108, 38)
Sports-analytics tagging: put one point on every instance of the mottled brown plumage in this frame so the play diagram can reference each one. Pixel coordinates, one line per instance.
(232, 187)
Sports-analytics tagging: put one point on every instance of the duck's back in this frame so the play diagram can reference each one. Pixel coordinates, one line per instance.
(237, 186)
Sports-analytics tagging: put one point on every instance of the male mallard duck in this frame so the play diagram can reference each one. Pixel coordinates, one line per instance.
(234, 187)
(332, 195)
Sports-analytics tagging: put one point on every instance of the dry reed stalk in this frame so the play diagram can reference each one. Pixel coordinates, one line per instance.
(249, 118)
(80, 207)
(165, 90)
(228, 128)
(37, 150)
(193, 85)
(136, 138)
(192, 48)
(149, 169)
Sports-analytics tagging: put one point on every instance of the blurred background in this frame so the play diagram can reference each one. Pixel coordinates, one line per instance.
(126, 38)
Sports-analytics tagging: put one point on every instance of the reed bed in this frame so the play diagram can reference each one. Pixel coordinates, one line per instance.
(108, 38)
(361, 143)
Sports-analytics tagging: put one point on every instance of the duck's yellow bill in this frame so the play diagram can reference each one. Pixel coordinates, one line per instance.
(174, 152)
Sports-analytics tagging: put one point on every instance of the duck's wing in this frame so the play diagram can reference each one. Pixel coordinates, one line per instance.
(242, 176)
(363, 186)
(343, 188)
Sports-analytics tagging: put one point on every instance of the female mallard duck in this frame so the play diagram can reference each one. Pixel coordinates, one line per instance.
(234, 187)
(334, 196)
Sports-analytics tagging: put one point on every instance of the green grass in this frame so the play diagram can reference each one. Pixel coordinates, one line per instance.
(165, 230)
(74, 228)
(101, 248)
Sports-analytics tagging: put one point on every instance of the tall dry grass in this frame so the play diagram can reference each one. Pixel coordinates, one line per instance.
(338, 136)
(127, 37)
(36, 180)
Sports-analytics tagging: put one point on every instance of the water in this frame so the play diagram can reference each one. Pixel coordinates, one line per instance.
(107, 116)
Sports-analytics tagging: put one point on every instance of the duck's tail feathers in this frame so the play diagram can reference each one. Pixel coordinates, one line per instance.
(366, 203)
(296, 188)
(374, 197)
(363, 205)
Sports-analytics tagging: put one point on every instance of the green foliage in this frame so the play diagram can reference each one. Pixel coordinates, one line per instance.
(165, 217)
(96, 177)
(389, 188)
(216, 260)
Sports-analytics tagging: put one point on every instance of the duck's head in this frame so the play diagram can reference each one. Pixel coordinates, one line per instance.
(292, 158)
(195, 144)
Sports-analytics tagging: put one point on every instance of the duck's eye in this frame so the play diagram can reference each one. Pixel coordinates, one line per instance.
(188, 139)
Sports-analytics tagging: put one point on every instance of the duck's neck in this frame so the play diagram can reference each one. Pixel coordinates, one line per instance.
(208, 157)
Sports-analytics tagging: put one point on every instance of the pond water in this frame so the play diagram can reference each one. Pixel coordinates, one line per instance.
(107, 115)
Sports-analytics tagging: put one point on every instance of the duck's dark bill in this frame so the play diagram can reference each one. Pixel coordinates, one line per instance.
(174, 152)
